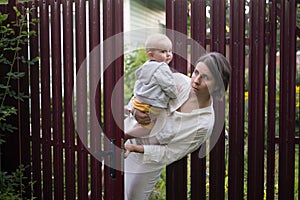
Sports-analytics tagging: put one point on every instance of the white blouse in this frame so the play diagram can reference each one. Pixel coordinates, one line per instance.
(178, 133)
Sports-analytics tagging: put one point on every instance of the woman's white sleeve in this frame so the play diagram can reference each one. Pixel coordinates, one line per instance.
(159, 154)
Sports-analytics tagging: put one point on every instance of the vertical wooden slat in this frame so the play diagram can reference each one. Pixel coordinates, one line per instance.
(45, 91)
(198, 28)
(271, 120)
(236, 101)
(287, 99)
(180, 38)
(198, 34)
(217, 155)
(95, 110)
(109, 128)
(112, 20)
(119, 102)
(35, 110)
(217, 25)
(68, 89)
(57, 100)
(170, 14)
(81, 100)
(176, 173)
(256, 116)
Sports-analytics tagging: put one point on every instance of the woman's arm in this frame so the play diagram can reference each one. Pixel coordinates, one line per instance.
(155, 153)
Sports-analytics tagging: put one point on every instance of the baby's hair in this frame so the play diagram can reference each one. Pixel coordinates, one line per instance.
(157, 41)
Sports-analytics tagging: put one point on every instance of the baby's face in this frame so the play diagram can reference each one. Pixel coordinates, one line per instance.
(160, 55)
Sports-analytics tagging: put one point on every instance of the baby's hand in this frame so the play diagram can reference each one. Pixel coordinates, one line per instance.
(134, 148)
(128, 148)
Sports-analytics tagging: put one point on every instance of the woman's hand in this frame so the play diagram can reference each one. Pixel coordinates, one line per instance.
(142, 117)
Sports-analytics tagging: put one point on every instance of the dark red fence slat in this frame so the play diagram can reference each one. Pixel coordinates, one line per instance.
(68, 89)
(217, 25)
(109, 128)
(114, 25)
(198, 177)
(57, 100)
(176, 173)
(271, 120)
(256, 101)
(119, 102)
(46, 102)
(287, 99)
(217, 155)
(180, 40)
(198, 33)
(198, 28)
(94, 35)
(236, 101)
(35, 110)
(81, 100)
(170, 15)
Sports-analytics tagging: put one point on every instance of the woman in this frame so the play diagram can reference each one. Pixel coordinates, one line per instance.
(191, 119)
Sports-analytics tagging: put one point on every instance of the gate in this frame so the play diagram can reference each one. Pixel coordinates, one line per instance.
(262, 145)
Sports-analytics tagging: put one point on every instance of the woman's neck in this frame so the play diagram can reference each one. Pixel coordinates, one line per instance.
(195, 102)
(203, 100)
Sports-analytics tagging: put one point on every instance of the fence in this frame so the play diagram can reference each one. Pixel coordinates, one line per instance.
(249, 33)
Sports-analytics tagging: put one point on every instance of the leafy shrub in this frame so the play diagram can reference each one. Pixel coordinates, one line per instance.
(12, 186)
(14, 36)
(133, 61)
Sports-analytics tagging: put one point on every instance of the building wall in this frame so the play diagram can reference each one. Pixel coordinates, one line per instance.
(139, 17)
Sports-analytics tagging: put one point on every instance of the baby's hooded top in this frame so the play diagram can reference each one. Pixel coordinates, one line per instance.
(155, 84)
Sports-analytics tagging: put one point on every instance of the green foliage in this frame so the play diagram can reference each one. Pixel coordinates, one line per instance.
(159, 191)
(12, 185)
(14, 36)
(133, 60)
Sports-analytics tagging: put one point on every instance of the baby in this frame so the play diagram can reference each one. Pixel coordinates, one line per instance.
(155, 84)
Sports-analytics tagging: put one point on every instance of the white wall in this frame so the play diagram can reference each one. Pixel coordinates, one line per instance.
(138, 16)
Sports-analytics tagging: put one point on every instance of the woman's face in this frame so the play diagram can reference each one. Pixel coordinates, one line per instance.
(203, 81)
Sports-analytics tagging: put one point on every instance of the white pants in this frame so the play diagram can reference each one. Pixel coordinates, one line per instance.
(139, 178)
(138, 186)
